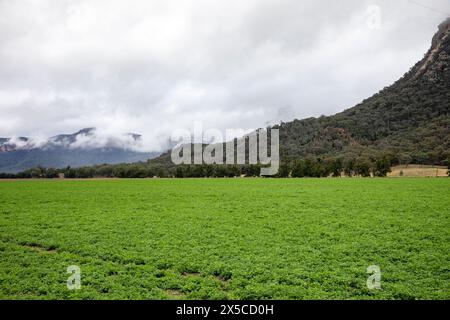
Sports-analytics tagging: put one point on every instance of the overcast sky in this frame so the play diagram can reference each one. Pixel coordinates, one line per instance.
(153, 66)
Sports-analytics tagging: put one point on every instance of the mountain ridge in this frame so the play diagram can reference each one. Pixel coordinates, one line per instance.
(408, 121)
(395, 120)
(81, 148)
(26, 143)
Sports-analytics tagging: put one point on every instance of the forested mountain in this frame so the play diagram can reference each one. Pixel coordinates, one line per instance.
(409, 120)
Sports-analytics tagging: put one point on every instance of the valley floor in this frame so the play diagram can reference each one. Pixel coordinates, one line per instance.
(225, 238)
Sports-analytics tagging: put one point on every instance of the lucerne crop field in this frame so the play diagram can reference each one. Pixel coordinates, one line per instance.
(225, 238)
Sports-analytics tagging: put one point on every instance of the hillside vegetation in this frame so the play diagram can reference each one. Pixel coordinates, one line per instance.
(409, 120)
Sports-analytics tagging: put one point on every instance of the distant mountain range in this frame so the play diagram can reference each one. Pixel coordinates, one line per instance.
(83, 148)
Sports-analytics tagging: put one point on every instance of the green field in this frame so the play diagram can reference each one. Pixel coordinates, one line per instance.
(225, 238)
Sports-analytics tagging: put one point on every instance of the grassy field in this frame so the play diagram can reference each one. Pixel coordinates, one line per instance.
(417, 170)
(225, 238)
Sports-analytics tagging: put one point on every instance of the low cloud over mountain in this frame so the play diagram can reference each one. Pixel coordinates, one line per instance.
(86, 147)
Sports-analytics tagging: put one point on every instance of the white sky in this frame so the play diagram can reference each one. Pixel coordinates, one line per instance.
(151, 67)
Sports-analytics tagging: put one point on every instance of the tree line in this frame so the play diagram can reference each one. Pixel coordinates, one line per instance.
(308, 167)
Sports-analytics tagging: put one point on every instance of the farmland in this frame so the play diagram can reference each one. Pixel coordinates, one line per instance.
(225, 238)
(418, 171)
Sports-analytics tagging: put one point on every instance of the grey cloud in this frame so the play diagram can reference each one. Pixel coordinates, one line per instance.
(154, 66)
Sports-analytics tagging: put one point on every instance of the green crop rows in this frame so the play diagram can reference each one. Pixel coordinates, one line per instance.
(225, 238)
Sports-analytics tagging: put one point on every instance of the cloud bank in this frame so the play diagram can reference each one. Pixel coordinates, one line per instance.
(155, 66)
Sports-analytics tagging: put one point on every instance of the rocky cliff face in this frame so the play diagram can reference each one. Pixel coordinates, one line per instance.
(436, 63)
